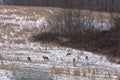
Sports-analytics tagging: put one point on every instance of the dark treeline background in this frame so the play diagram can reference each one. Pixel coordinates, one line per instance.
(99, 5)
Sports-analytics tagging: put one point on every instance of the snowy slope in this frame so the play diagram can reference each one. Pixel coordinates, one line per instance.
(6, 75)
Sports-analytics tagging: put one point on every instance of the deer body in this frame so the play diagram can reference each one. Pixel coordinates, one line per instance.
(68, 54)
(45, 58)
(29, 59)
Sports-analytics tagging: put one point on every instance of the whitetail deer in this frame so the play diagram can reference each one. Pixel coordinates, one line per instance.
(45, 58)
(68, 54)
(29, 59)
(86, 57)
(1, 58)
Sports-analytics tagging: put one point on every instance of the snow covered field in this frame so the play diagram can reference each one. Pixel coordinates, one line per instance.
(25, 60)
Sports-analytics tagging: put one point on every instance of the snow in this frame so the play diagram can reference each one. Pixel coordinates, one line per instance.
(1, 44)
(98, 24)
(40, 21)
(6, 75)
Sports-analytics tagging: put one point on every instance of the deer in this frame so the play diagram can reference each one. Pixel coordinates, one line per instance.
(86, 57)
(29, 59)
(45, 58)
(68, 54)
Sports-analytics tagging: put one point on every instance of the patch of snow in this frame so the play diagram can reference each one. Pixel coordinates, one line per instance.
(8, 10)
(6, 75)
(1, 44)
(41, 23)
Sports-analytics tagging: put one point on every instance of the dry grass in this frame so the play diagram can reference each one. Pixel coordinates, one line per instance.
(84, 73)
(118, 75)
(58, 71)
(81, 52)
(109, 75)
(1, 58)
(93, 73)
(46, 11)
(76, 72)
(2, 40)
(19, 41)
(41, 51)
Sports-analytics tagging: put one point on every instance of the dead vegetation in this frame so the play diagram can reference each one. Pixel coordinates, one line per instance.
(76, 72)
(1, 58)
(69, 31)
